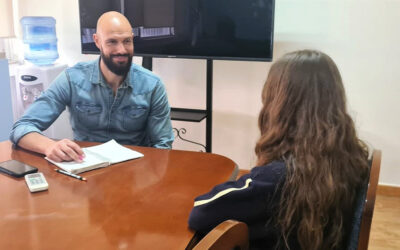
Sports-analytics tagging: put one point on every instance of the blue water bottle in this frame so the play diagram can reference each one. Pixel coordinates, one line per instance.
(40, 40)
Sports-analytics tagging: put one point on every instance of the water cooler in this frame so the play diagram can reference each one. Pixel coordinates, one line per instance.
(27, 85)
(28, 81)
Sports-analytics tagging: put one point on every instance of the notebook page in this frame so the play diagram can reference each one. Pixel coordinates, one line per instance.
(114, 152)
(91, 161)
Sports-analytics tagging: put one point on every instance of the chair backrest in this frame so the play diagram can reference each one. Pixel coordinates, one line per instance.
(364, 209)
(228, 235)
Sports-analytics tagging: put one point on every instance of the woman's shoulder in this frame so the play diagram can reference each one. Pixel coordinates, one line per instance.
(272, 171)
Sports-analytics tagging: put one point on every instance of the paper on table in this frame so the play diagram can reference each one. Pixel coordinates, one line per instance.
(114, 152)
(99, 156)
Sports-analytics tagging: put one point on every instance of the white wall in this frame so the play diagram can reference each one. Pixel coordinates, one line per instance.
(361, 36)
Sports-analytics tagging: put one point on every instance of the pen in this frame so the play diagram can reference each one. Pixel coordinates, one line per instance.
(69, 174)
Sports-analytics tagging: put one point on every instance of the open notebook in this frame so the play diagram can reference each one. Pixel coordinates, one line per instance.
(99, 156)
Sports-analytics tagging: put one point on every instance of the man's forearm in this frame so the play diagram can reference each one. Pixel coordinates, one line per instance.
(58, 151)
(35, 142)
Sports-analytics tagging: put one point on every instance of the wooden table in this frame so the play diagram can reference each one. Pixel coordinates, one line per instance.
(138, 204)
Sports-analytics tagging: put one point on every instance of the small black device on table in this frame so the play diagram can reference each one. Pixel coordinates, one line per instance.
(16, 168)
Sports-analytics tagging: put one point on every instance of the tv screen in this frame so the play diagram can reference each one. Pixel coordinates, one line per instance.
(211, 29)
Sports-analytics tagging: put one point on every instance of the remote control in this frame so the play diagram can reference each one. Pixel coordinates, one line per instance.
(36, 182)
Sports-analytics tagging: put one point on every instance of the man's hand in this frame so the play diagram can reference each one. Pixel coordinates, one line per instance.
(64, 150)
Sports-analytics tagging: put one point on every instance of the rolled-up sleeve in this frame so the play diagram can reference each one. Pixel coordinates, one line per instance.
(45, 110)
(159, 128)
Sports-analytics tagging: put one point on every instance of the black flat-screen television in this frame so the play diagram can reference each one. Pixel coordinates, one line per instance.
(210, 29)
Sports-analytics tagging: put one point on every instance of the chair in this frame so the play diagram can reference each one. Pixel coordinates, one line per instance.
(361, 224)
(228, 235)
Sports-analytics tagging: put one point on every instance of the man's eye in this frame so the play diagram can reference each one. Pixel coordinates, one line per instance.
(112, 42)
(128, 41)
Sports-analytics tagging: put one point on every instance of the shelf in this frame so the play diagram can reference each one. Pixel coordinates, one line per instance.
(189, 115)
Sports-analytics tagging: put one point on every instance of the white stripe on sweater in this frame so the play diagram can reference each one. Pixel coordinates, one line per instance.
(222, 193)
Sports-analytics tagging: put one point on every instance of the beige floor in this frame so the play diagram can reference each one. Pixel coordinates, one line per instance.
(385, 229)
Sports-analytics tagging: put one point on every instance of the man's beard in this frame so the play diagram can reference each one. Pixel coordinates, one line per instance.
(118, 69)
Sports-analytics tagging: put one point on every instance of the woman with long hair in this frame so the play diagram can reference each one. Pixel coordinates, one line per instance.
(310, 163)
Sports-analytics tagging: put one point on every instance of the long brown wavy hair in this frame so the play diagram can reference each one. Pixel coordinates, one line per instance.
(304, 122)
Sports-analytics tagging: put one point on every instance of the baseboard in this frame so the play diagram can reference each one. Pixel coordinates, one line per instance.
(388, 190)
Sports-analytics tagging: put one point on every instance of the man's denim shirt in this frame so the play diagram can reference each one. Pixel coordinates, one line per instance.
(139, 113)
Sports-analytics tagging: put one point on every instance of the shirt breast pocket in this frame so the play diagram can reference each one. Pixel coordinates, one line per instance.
(134, 118)
(89, 114)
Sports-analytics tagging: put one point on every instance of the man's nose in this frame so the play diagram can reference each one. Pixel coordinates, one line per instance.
(121, 49)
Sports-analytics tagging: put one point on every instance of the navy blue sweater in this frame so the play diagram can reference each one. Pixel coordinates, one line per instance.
(251, 199)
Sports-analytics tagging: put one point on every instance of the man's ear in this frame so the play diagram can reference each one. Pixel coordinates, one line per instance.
(96, 40)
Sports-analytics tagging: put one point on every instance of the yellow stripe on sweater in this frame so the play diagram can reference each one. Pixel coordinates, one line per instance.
(222, 193)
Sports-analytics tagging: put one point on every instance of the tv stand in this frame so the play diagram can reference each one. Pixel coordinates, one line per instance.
(147, 62)
(193, 115)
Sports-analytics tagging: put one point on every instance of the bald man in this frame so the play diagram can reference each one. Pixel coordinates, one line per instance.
(109, 98)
